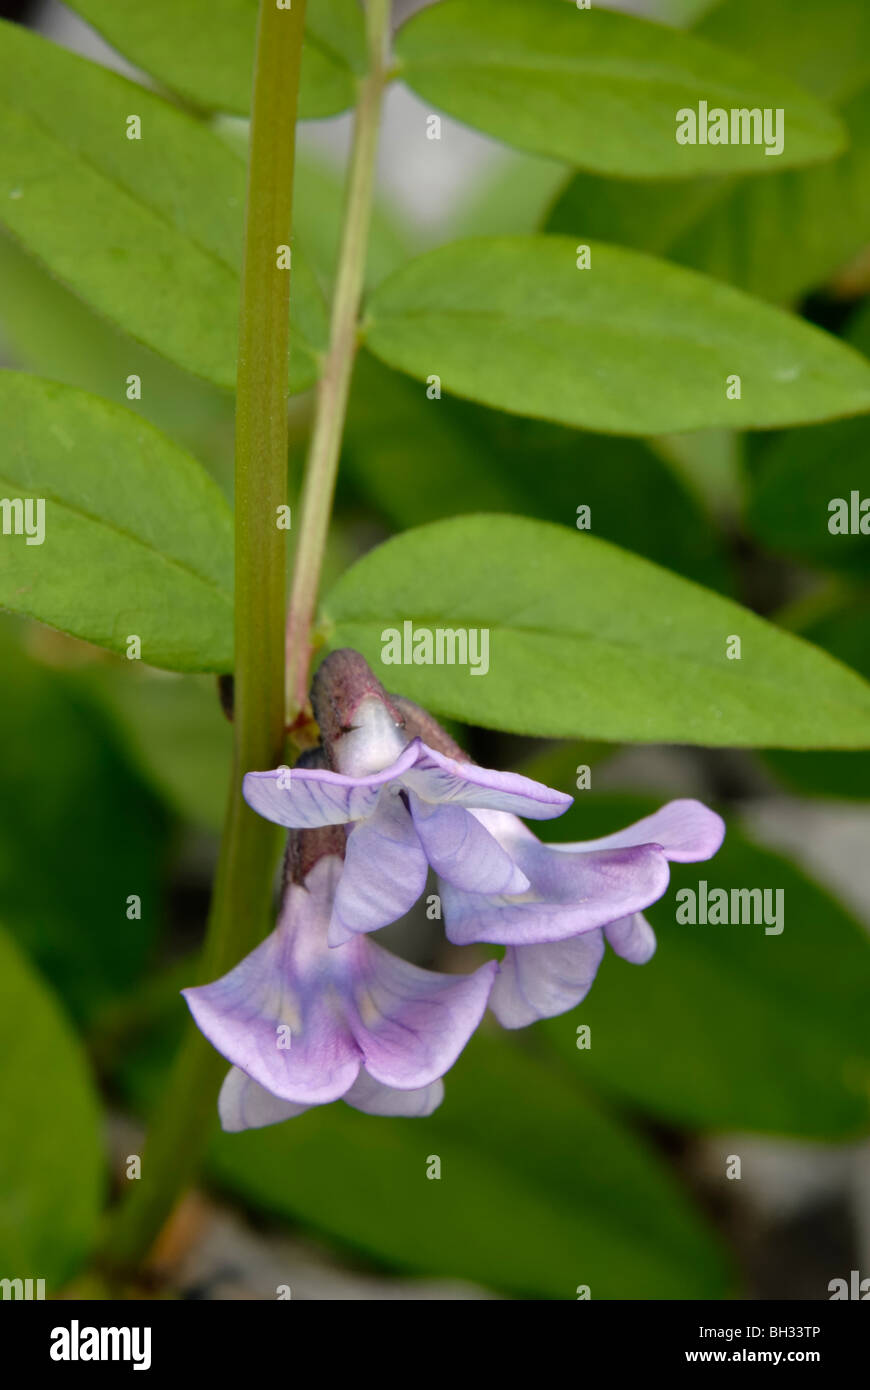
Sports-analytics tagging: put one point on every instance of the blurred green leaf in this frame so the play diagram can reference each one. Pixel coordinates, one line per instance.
(597, 89)
(79, 834)
(775, 237)
(137, 538)
(799, 476)
(175, 733)
(824, 48)
(44, 329)
(51, 1162)
(842, 632)
(585, 1203)
(318, 208)
(204, 49)
(509, 200)
(631, 346)
(727, 1027)
(147, 232)
(589, 641)
(468, 459)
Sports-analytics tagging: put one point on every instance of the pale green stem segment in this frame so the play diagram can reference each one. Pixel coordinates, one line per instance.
(241, 899)
(334, 387)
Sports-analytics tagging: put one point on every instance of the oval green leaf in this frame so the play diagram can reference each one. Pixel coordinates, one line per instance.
(135, 540)
(588, 641)
(146, 231)
(600, 90)
(204, 49)
(631, 345)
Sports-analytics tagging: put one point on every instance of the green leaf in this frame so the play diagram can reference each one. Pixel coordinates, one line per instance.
(589, 641)
(597, 89)
(51, 1163)
(137, 538)
(801, 476)
(468, 459)
(843, 633)
(204, 49)
(70, 858)
(824, 48)
(147, 232)
(782, 236)
(586, 1204)
(176, 734)
(631, 345)
(728, 1027)
(47, 331)
(775, 237)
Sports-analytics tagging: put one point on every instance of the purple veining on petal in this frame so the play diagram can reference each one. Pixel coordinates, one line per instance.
(300, 1020)
(278, 1015)
(568, 895)
(632, 938)
(686, 830)
(438, 778)
(412, 1024)
(542, 981)
(462, 851)
(384, 873)
(373, 1098)
(245, 1104)
(306, 797)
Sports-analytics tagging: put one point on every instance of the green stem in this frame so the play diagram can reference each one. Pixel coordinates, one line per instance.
(334, 386)
(242, 894)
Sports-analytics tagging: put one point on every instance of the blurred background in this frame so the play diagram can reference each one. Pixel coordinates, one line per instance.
(562, 1167)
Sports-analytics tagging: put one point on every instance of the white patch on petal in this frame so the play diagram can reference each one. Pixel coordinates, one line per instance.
(375, 741)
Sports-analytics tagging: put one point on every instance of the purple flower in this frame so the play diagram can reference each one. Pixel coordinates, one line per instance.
(305, 1024)
(406, 805)
(578, 895)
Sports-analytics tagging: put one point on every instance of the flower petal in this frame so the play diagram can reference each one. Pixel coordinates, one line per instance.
(436, 777)
(542, 981)
(245, 1104)
(462, 851)
(306, 797)
(412, 1024)
(384, 872)
(632, 938)
(686, 830)
(370, 1096)
(570, 894)
(284, 993)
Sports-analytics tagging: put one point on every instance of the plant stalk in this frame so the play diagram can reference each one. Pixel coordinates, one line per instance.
(242, 893)
(334, 387)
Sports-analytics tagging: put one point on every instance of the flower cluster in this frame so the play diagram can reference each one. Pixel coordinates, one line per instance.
(318, 1011)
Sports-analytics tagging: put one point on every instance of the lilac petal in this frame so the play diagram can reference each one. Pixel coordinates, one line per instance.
(436, 777)
(570, 894)
(411, 1024)
(462, 851)
(384, 872)
(245, 1104)
(307, 797)
(372, 1098)
(686, 830)
(542, 981)
(285, 984)
(632, 938)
